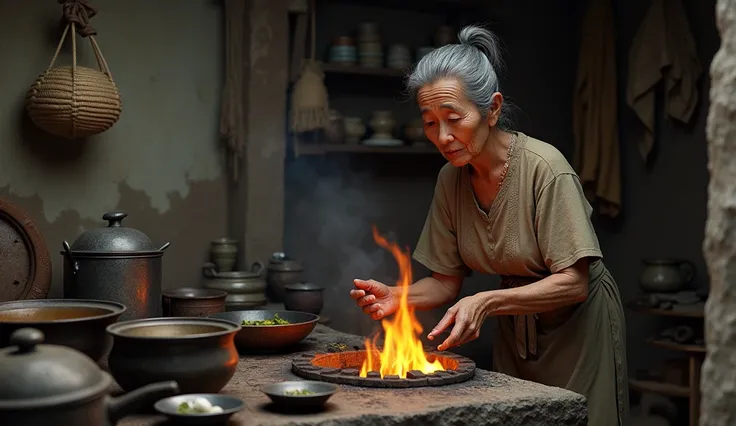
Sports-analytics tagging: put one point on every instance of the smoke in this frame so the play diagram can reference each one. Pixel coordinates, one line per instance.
(330, 209)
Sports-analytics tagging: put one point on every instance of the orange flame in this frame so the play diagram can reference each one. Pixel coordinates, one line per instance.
(402, 350)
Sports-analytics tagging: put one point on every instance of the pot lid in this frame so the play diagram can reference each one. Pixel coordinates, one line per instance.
(113, 238)
(281, 262)
(37, 374)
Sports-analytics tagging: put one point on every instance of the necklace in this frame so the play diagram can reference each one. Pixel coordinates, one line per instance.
(505, 170)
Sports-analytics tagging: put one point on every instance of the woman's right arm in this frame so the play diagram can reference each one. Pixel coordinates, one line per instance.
(431, 292)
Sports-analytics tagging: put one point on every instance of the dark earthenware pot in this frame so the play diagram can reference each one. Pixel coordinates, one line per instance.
(118, 264)
(282, 271)
(53, 385)
(245, 289)
(77, 324)
(666, 275)
(193, 302)
(304, 297)
(204, 350)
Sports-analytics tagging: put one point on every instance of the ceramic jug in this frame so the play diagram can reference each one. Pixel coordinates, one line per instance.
(666, 275)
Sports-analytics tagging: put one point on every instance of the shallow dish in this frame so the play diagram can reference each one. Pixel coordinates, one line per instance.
(229, 404)
(321, 392)
(269, 337)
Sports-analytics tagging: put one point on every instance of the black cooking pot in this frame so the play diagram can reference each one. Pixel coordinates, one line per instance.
(49, 385)
(117, 264)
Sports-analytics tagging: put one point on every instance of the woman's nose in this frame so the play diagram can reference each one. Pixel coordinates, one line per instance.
(445, 136)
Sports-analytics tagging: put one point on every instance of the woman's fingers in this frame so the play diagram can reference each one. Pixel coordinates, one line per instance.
(370, 286)
(357, 294)
(366, 300)
(441, 326)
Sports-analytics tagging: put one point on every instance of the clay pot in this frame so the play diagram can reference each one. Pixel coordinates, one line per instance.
(304, 297)
(282, 271)
(382, 123)
(354, 129)
(245, 289)
(666, 275)
(203, 349)
(224, 252)
(335, 130)
(193, 302)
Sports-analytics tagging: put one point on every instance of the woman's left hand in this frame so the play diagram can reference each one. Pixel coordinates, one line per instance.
(467, 315)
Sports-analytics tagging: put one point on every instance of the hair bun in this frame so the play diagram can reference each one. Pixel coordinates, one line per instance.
(483, 40)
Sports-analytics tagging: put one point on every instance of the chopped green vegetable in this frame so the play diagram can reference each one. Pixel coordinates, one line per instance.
(298, 392)
(276, 320)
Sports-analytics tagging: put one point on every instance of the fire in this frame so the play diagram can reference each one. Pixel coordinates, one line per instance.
(402, 350)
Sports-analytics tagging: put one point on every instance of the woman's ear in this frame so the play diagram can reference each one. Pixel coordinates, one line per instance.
(495, 112)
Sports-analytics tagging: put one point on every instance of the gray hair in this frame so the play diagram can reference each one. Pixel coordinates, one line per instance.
(475, 62)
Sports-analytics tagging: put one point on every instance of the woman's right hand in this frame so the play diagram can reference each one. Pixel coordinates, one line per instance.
(377, 299)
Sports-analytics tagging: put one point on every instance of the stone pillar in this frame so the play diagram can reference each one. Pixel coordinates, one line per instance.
(718, 382)
(256, 211)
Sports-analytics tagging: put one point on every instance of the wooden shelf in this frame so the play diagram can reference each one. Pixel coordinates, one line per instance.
(682, 311)
(674, 346)
(321, 149)
(358, 70)
(660, 388)
(431, 6)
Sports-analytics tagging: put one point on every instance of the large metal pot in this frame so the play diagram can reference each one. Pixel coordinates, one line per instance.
(118, 264)
(53, 385)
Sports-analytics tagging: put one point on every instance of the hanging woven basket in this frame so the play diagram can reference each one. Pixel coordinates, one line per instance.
(74, 101)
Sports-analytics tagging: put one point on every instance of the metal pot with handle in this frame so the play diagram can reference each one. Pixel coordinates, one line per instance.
(118, 264)
(54, 385)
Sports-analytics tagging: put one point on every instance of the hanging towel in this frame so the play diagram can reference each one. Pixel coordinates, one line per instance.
(595, 118)
(663, 50)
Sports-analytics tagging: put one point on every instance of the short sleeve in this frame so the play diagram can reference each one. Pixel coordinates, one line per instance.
(565, 233)
(437, 248)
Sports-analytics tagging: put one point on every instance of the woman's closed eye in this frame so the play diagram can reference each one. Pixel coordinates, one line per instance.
(428, 123)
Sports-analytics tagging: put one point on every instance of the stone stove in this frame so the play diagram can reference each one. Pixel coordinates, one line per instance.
(344, 368)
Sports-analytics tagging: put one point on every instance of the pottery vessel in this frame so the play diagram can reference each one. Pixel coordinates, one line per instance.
(193, 302)
(304, 297)
(354, 129)
(399, 57)
(224, 252)
(382, 123)
(335, 130)
(282, 271)
(50, 385)
(245, 289)
(204, 350)
(666, 275)
(414, 131)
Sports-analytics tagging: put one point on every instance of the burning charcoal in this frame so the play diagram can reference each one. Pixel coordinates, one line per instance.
(373, 375)
(350, 372)
(415, 374)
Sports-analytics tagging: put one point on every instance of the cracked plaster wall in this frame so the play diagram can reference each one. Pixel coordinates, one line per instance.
(161, 162)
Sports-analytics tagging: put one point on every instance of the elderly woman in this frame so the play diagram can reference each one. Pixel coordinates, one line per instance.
(511, 205)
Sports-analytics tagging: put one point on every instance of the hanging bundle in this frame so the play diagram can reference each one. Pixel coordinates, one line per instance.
(309, 101)
(75, 101)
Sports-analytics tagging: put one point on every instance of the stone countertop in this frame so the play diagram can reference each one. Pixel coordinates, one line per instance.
(487, 399)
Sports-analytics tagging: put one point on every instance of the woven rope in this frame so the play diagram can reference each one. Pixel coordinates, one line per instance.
(74, 101)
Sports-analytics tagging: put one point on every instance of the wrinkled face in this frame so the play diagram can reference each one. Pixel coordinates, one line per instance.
(453, 123)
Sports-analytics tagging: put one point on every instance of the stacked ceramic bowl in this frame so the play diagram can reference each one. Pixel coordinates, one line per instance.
(370, 50)
(343, 51)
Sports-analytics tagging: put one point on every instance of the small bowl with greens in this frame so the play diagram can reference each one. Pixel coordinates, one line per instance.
(300, 394)
(199, 409)
(269, 331)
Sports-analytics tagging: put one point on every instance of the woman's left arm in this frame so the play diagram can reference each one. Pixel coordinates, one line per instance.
(566, 287)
